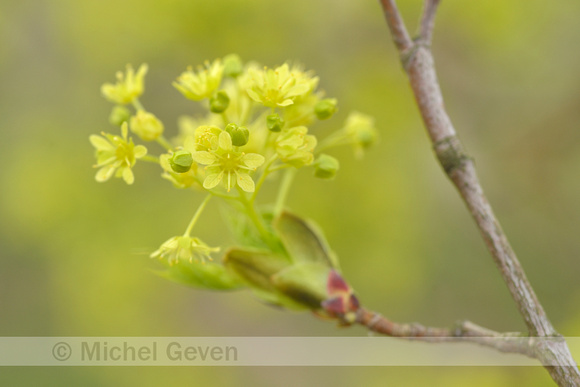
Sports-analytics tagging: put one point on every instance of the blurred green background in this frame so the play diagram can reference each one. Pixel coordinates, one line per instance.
(73, 257)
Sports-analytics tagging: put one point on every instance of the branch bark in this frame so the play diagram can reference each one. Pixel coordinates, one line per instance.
(418, 63)
(462, 332)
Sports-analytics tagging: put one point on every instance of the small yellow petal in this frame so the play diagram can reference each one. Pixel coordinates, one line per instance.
(203, 157)
(128, 175)
(212, 180)
(139, 151)
(105, 173)
(245, 182)
(101, 143)
(253, 160)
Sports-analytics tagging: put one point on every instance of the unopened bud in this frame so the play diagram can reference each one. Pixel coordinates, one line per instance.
(325, 167)
(219, 102)
(118, 115)
(239, 134)
(274, 122)
(181, 161)
(325, 109)
(146, 126)
(232, 65)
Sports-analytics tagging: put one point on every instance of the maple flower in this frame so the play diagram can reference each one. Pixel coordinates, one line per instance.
(279, 86)
(229, 165)
(200, 84)
(129, 86)
(184, 248)
(116, 155)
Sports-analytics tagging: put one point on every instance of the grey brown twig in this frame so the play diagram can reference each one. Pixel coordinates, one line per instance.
(417, 60)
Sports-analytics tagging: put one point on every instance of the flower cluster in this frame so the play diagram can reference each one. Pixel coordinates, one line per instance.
(253, 122)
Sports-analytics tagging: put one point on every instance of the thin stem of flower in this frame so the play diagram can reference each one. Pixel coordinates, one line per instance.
(263, 177)
(283, 192)
(337, 139)
(225, 118)
(137, 105)
(150, 158)
(255, 218)
(222, 195)
(164, 143)
(196, 216)
(279, 167)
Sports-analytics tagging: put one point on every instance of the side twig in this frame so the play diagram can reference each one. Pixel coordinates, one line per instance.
(418, 63)
(464, 331)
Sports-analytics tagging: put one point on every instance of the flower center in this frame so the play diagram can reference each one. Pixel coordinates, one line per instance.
(229, 162)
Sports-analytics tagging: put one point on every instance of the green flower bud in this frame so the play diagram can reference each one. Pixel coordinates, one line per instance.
(118, 115)
(219, 102)
(325, 167)
(146, 126)
(233, 66)
(360, 130)
(325, 109)
(181, 161)
(239, 134)
(274, 122)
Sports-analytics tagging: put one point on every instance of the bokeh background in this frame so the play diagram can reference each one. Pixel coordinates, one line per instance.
(73, 256)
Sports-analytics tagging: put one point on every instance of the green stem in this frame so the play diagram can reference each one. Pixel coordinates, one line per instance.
(150, 158)
(225, 118)
(283, 193)
(137, 105)
(196, 216)
(279, 167)
(255, 218)
(263, 177)
(332, 141)
(164, 143)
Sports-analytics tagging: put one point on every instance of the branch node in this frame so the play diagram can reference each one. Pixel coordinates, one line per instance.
(451, 154)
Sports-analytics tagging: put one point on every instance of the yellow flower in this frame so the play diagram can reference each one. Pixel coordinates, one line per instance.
(295, 147)
(129, 86)
(205, 138)
(225, 163)
(179, 180)
(116, 153)
(184, 248)
(280, 86)
(201, 84)
(146, 126)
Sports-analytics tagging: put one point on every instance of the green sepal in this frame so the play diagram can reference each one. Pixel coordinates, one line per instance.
(303, 241)
(212, 276)
(256, 268)
(305, 283)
